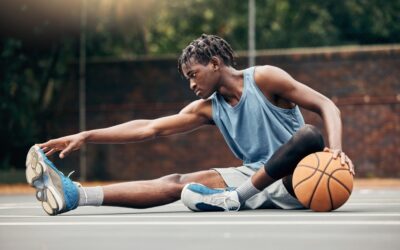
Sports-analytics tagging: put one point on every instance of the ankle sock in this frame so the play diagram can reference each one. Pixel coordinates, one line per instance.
(246, 191)
(91, 196)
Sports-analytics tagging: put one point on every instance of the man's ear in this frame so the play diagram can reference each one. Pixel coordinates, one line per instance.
(215, 63)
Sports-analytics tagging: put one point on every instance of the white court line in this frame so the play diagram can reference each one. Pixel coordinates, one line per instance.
(18, 204)
(372, 204)
(34, 205)
(200, 223)
(181, 205)
(373, 200)
(20, 207)
(222, 215)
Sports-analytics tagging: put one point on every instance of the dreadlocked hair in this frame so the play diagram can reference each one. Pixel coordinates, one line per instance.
(204, 48)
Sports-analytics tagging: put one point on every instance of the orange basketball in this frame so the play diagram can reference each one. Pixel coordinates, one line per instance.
(321, 183)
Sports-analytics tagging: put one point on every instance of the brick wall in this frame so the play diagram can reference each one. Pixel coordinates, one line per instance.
(363, 81)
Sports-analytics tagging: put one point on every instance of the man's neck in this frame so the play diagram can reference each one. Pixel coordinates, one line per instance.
(231, 85)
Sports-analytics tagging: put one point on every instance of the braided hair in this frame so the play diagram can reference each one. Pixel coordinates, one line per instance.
(205, 47)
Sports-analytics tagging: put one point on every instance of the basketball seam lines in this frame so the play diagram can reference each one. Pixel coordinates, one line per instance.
(315, 170)
(329, 192)
(330, 175)
(315, 188)
(341, 183)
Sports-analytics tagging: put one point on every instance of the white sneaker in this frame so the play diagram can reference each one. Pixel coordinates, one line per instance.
(56, 192)
(200, 198)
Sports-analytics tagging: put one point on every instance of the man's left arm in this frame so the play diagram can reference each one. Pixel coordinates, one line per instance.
(279, 83)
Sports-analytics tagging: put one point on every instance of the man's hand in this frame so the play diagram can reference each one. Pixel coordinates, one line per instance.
(343, 158)
(64, 144)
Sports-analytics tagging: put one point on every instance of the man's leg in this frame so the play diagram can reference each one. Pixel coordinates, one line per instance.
(58, 194)
(282, 164)
(167, 189)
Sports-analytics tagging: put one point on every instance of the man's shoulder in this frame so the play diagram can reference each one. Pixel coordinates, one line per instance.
(270, 78)
(268, 72)
(201, 107)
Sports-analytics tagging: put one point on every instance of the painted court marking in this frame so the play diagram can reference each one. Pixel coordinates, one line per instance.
(222, 215)
(372, 204)
(358, 203)
(200, 223)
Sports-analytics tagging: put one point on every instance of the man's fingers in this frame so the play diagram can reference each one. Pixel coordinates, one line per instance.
(351, 166)
(66, 151)
(336, 153)
(51, 151)
(47, 144)
(352, 169)
(46, 149)
(343, 158)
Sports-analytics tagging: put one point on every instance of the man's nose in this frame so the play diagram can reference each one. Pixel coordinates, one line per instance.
(192, 85)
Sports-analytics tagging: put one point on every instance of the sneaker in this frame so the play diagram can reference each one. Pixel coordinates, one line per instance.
(198, 197)
(57, 193)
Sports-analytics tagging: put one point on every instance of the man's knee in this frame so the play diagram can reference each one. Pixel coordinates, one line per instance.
(173, 185)
(305, 141)
(172, 178)
(210, 178)
(311, 137)
(178, 179)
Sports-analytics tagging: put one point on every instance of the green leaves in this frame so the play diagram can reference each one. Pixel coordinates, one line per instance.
(42, 39)
(126, 28)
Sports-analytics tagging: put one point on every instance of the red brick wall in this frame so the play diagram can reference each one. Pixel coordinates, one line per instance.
(364, 82)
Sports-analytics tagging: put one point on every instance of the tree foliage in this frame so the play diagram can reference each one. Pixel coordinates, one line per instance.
(39, 38)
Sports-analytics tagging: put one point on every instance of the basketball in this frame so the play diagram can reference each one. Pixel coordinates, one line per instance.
(321, 183)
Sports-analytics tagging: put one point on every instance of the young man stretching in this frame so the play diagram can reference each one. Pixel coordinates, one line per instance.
(257, 112)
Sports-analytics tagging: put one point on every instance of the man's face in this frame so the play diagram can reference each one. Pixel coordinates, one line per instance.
(203, 78)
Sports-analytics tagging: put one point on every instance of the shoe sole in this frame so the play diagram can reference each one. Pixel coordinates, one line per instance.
(37, 176)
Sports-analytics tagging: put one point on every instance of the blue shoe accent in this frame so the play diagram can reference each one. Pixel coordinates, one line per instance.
(71, 192)
(208, 208)
(201, 189)
(57, 192)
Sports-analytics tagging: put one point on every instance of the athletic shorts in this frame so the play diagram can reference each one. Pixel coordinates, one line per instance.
(275, 196)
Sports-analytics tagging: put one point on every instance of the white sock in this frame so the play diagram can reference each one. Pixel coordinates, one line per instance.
(246, 191)
(91, 196)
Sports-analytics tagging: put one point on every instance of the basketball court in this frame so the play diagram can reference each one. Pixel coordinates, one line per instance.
(369, 220)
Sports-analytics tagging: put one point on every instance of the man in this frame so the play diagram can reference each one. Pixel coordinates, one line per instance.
(255, 109)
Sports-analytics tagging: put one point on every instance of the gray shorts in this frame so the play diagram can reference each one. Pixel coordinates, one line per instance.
(274, 196)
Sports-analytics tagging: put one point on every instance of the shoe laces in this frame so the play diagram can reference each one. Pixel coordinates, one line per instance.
(225, 200)
(68, 176)
(70, 173)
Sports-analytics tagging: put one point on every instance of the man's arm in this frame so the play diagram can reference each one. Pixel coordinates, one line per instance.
(276, 82)
(193, 116)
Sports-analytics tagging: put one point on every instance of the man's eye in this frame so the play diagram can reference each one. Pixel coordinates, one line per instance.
(191, 76)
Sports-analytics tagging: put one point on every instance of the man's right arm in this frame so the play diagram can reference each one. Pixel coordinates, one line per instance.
(193, 116)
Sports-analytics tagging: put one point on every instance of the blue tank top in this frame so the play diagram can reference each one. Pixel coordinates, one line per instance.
(254, 128)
